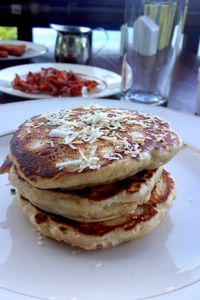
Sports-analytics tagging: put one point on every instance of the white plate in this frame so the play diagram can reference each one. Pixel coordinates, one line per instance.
(109, 82)
(32, 50)
(167, 262)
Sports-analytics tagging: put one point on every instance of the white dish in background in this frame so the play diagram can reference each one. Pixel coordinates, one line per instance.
(109, 82)
(32, 50)
(164, 265)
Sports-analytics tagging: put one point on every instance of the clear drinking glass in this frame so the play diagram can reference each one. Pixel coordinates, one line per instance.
(153, 32)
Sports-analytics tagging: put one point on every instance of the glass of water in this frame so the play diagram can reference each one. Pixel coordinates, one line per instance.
(152, 40)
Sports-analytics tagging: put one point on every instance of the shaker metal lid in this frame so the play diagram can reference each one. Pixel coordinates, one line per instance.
(77, 30)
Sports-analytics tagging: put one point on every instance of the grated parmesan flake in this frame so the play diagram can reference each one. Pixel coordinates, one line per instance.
(68, 163)
(122, 131)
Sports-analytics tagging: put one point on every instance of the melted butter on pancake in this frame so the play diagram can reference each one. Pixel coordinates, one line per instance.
(37, 144)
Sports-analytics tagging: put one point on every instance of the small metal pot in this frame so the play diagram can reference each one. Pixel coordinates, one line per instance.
(73, 44)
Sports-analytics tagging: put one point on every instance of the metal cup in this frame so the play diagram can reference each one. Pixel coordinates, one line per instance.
(73, 44)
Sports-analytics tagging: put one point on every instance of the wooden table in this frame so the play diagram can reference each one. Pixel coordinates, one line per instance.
(183, 94)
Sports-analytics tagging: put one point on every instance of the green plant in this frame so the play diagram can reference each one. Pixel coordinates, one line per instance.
(8, 33)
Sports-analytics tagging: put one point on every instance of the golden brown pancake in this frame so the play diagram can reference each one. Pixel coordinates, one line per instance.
(92, 203)
(110, 233)
(91, 145)
(6, 165)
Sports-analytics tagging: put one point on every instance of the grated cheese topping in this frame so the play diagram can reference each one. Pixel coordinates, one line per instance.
(124, 132)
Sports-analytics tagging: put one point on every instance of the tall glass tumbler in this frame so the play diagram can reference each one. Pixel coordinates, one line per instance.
(153, 29)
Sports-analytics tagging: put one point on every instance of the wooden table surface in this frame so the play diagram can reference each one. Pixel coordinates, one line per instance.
(183, 94)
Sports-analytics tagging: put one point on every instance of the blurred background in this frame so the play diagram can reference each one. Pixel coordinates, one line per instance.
(29, 20)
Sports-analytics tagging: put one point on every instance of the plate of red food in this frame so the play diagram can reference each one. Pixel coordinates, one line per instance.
(37, 81)
(17, 50)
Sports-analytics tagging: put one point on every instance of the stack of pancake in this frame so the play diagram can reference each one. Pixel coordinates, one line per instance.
(93, 176)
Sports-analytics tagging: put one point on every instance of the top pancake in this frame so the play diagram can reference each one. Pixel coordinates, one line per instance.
(90, 145)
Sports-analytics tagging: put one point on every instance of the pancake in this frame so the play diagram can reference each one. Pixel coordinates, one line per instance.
(92, 203)
(91, 236)
(91, 145)
(6, 165)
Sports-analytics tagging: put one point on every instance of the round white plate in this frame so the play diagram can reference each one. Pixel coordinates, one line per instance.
(109, 82)
(32, 50)
(163, 265)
